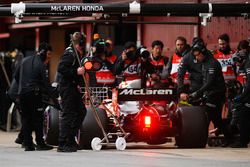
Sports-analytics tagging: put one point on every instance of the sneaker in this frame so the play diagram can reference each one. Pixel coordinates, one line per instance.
(19, 140)
(66, 148)
(75, 145)
(29, 148)
(238, 145)
(23, 145)
(41, 147)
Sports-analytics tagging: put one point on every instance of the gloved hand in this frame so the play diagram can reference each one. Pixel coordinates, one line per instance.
(194, 95)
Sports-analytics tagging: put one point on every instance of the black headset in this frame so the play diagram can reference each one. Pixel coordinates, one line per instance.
(42, 54)
(82, 41)
(42, 51)
(200, 46)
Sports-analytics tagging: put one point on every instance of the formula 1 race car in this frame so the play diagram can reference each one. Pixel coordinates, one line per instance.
(138, 115)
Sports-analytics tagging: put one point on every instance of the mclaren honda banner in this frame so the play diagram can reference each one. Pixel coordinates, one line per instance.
(76, 8)
(165, 9)
(147, 94)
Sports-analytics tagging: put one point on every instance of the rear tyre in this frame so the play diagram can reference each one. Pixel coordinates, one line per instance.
(51, 131)
(192, 127)
(90, 128)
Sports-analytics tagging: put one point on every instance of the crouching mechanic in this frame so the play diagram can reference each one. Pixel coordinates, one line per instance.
(243, 61)
(213, 88)
(73, 109)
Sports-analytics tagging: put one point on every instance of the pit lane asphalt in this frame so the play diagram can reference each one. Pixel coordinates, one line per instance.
(135, 155)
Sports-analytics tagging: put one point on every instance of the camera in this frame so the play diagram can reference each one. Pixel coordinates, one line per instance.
(238, 57)
(142, 52)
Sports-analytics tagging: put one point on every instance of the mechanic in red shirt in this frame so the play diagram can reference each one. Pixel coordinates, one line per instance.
(180, 76)
(224, 56)
(182, 48)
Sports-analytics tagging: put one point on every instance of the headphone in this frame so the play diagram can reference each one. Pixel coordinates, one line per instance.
(42, 54)
(200, 46)
(82, 41)
(43, 49)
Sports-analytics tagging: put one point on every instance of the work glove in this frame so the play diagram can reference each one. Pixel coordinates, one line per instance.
(194, 95)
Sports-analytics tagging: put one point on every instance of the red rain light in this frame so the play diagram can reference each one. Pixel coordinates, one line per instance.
(147, 121)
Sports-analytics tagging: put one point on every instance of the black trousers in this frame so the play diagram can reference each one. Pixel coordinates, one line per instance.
(214, 104)
(72, 114)
(244, 122)
(32, 116)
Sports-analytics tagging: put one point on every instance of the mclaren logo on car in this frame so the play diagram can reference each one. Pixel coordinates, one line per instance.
(146, 92)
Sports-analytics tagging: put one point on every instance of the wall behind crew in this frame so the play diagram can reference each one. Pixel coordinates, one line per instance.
(167, 33)
(236, 27)
(56, 38)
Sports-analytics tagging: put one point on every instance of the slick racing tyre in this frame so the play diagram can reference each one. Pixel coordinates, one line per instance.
(192, 127)
(51, 130)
